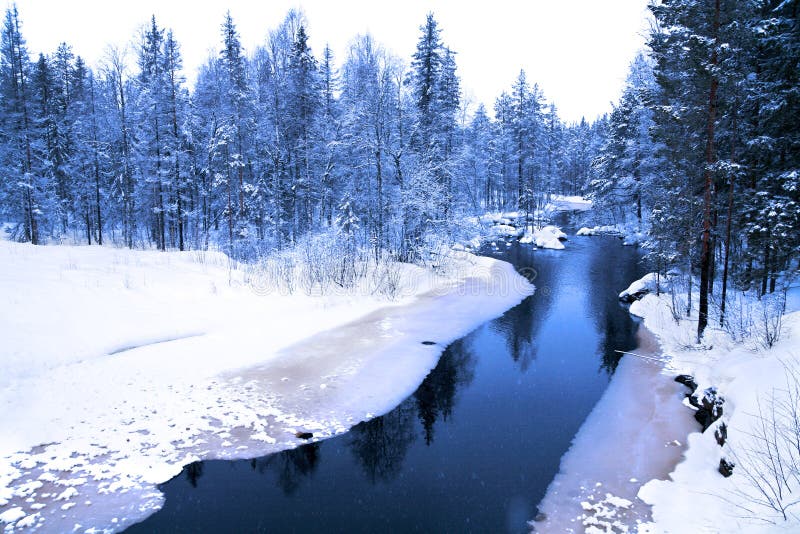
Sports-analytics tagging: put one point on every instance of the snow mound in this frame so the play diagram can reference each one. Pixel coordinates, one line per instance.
(506, 230)
(630, 233)
(598, 230)
(547, 237)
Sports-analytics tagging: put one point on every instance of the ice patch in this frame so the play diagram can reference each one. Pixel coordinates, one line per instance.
(597, 485)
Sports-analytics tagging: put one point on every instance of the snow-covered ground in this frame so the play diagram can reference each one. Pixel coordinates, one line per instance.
(762, 417)
(120, 367)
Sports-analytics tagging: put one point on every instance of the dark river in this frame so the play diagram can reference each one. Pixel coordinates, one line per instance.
(473, 449)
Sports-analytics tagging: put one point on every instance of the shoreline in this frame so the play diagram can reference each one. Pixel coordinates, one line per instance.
(629, 439)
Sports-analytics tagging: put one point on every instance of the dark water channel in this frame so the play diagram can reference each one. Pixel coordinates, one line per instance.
(473, 449)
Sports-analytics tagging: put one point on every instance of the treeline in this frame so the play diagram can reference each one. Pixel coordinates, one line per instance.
(267, 146)
(703, 148)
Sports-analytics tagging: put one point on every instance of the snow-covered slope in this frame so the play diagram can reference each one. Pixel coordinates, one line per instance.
(120, 367)
(761, 395)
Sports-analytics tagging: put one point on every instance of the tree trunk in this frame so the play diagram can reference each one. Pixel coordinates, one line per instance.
(706, 253)
(728, 222)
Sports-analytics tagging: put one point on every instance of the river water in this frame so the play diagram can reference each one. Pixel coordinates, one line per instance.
(473, 449)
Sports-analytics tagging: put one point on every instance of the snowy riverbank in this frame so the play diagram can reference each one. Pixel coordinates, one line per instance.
(761, 393)
(121, 366)
(640, 461)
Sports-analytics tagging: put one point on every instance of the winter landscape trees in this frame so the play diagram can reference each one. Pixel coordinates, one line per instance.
(700, 145)
(269, 146)
(282, 142)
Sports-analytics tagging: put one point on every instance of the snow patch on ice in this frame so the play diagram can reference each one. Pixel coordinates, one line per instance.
(597, 484)
(12, 515)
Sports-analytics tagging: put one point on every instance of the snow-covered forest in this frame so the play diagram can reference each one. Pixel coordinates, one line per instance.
(269, 146)
(703, 149)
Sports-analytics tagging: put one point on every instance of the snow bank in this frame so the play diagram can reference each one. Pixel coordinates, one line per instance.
(570, 203)
(599, 230)
(649, 283)
(629, 233)
(121, 367)
(697, 498)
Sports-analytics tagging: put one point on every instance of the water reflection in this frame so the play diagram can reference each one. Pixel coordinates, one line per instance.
(380, 445)
(606, 269)
(519, 326)
(193, 472)
(436, 397)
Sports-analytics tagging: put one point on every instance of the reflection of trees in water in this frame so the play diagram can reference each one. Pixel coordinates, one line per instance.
(296, 464)
(613, 267)
(436, 396)
(193, 472)
(517, 327)
(290, 466)
(381, 445)
(520, 324)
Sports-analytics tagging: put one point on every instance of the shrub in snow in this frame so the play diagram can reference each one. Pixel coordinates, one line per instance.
(770, 319)
(769, 457)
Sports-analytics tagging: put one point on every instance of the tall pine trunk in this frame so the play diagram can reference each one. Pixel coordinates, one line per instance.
(728, 222)
(706, 252)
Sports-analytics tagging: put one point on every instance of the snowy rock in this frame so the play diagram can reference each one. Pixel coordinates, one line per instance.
(688, 381)
(726, 467)
(709, 408)
(548, 237)
(641, 287)
(721, 434)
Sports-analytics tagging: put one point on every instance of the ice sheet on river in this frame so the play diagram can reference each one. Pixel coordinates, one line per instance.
(86, 440)
(632, 435)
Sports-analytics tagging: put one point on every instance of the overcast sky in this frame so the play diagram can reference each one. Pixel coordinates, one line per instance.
(577, 50)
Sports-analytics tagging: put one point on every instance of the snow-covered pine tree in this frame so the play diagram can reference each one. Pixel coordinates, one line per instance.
(22, 189)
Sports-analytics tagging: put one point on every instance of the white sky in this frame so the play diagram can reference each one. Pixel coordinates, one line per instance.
(577, 50)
